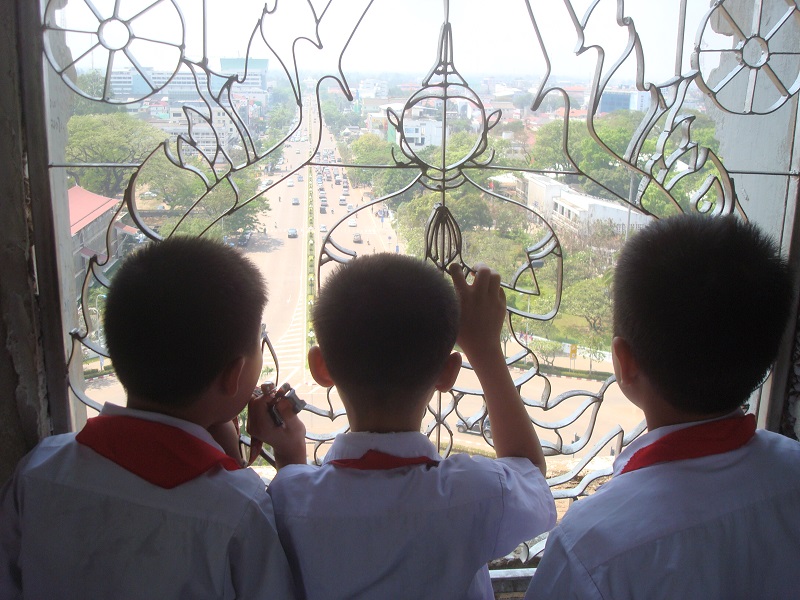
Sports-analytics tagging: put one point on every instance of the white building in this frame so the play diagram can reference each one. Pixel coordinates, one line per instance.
(420, 133)
(183, 85)
(373, 88)
(560, 204)
(207, 138)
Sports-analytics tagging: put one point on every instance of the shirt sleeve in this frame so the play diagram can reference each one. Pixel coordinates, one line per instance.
(259, 568)
(528, 506)
(560, 574)
(10, 540)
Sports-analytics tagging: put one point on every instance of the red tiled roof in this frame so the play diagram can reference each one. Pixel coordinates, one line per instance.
(126, 228)
(85, 207)
(89, 253)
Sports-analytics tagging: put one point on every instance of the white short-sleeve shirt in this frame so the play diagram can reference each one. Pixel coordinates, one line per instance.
(411, 532)
(74, 524)
(721, 526)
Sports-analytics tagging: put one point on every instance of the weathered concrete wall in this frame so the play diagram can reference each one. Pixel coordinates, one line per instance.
(23, 410)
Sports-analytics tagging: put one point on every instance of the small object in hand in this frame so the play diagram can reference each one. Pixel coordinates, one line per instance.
(297, 403)
(285, 391)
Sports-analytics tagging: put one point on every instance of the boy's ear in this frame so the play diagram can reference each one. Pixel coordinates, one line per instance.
(449, 373)
(625, 366)
(229, 378)
(318, 368)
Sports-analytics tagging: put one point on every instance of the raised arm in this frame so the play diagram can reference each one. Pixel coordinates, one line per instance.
(483, 311)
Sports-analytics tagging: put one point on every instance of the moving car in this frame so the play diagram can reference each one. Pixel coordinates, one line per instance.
(323, 228)
(357, 238)
(475, 429)
(295, 201)
(352, 223)
(342, 201)
(292, 233)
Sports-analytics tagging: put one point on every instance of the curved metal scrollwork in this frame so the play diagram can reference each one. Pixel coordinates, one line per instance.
(666, 165)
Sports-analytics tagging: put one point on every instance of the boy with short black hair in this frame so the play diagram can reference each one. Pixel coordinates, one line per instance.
(143, 502)
(703, 505)
(385, 516)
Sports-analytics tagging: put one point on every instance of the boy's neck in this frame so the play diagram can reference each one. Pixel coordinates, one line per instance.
(186, 413)
(385, 430)
(664, 414)
(383, 423)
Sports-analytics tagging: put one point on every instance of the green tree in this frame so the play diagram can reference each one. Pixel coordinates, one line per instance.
(369, 149)
(522, 100)
(412, 216)
(548, 150)
(606, 175)
(489, 247)
(175, 186)
(590, 299)
(108, 138)
(181, 189)
(546, 350)
(93, 84)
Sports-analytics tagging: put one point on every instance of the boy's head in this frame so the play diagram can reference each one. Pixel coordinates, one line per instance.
(386, 325)
(178, 313)
(702, 304)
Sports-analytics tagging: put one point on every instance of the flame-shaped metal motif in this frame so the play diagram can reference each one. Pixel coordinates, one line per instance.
(442, 238)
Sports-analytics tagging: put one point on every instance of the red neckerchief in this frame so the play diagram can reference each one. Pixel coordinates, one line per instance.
(374, 460)
(705, 439)
(164, 455)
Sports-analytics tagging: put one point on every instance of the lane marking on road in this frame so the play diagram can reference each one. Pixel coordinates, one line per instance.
(290, 348)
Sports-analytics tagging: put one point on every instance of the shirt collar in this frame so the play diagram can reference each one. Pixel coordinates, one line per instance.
(651, 436)
(194, 429)
(406, 444)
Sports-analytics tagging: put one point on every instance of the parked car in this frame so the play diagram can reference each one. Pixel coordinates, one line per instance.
(290, 183)
(357, 238)
(352, 223)
(476, 427)
(292, 233)
(295, 201)
(323, 202)
(323, 228)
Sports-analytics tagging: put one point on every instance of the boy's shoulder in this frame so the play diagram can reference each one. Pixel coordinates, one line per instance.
(63, 461)
(458, 477)
(655, 501)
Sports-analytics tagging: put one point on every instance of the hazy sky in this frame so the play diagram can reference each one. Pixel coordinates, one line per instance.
(495, 36)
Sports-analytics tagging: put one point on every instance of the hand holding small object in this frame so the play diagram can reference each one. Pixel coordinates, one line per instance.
(283, 430)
